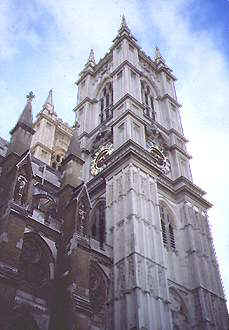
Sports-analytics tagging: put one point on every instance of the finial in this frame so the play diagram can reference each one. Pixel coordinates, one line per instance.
(30, 96)
(123, 21)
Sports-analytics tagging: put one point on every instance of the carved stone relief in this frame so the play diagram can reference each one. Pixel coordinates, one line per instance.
(98, 287)
(179, 311)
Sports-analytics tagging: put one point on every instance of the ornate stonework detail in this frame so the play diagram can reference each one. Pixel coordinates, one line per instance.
(110, 193)
(151, 278)
(99, 162)
(179, 311)
(131, 272)
(146, 69)
(20, 192)
(98, 288)
(159, 155)
(104, 137)
(121, 279)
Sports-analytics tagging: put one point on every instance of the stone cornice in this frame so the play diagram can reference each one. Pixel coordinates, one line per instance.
(73, 157)
(167, 71)
(57, 122)
(178, 148)
(182, 187)
(131, 150)
(130, 39)
(85, 100)
(167, 96)
(147, 59)
(43, 146)
(121, 65)
(24, 127)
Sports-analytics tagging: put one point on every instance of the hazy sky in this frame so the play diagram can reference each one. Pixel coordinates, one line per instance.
(45, 43)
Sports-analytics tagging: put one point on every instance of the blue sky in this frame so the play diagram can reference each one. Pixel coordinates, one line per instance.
(45, 43)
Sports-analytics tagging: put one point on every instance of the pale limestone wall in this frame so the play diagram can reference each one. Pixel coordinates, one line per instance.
(51, 138)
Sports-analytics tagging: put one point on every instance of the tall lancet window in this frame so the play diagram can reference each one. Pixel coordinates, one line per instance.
(98, 229)
(167, 228)
(106, 103)
(148, 100)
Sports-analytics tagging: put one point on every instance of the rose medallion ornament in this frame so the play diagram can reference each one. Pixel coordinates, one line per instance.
(100, 159)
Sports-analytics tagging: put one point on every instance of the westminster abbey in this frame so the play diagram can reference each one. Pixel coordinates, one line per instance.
(101, 225)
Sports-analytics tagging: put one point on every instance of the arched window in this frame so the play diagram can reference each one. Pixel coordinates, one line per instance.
(106, 102)
(167, 228)
(148, 100)
(98, 222)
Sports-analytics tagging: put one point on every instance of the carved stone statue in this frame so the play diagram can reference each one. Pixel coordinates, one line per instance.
(20, 190)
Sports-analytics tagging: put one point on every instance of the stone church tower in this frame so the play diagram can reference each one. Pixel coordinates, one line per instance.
(117, 237)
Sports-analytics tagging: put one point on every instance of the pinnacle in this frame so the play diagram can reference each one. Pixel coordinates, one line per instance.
(49, 99)
(124, 25)
(123, 21)
(74, 146)
(124, 29)
(49, 102)
(91, 57)
(157, 52)
(158, 56)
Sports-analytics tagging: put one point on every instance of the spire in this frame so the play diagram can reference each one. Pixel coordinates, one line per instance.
(74, 146)
(20, 142)
(49, 102)
(26, 117)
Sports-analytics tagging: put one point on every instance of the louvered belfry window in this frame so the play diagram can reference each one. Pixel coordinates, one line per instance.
(167, 228)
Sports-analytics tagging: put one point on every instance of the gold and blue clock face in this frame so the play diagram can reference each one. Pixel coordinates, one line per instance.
(100, 159)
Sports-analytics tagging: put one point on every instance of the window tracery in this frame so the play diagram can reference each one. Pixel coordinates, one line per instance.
(148, 100)
(106, 102)
(167, 228)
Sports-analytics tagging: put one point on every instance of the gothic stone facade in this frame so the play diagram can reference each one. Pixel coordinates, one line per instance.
(117, 237)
